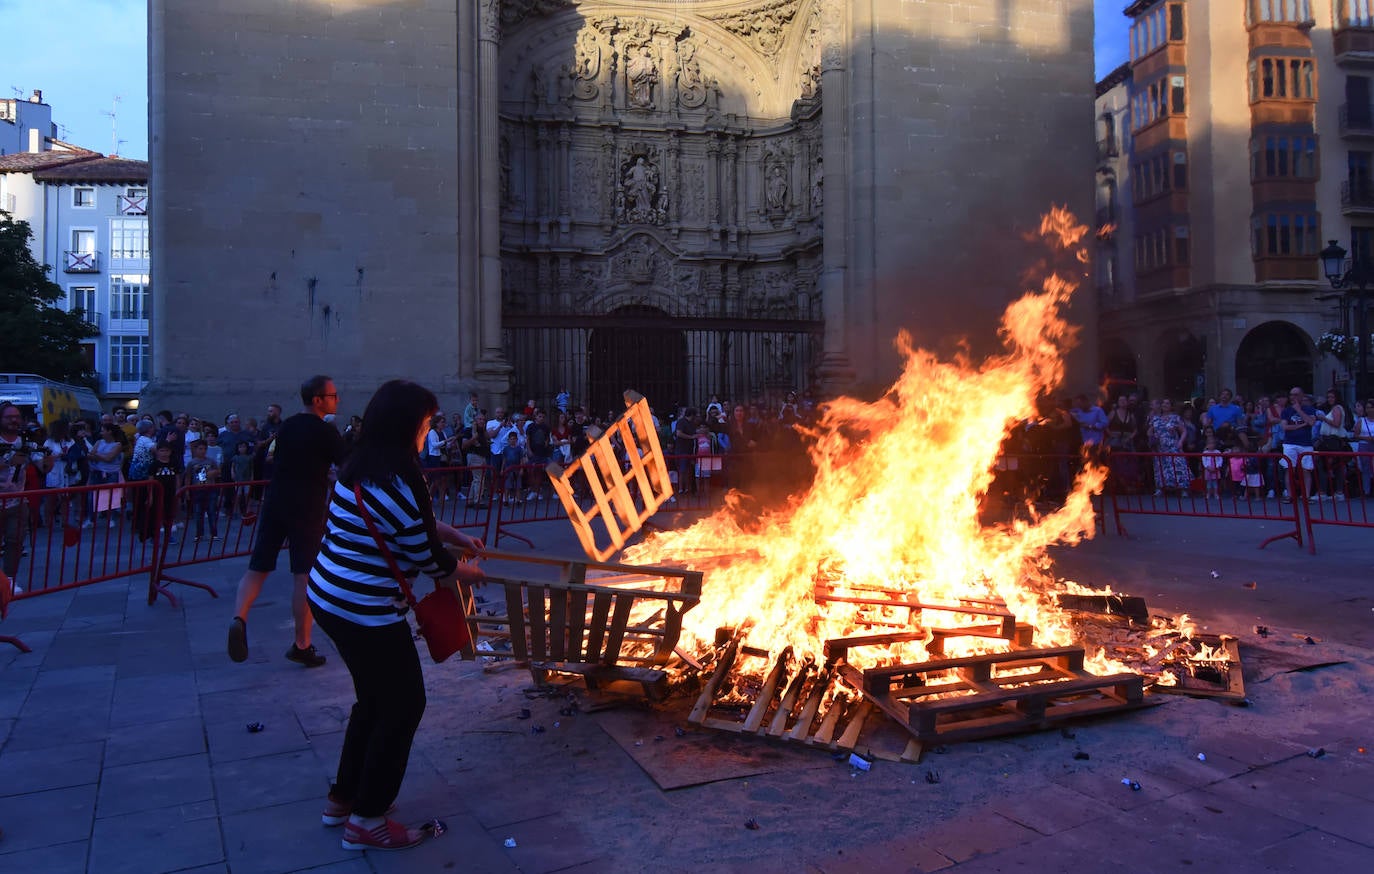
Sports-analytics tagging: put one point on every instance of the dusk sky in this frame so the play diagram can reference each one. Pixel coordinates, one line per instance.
(83, 54)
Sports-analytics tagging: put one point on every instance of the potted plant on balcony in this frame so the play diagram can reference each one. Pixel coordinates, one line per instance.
(1339, 346)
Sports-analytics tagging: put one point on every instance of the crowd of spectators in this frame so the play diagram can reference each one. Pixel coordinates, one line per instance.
(1219, 446)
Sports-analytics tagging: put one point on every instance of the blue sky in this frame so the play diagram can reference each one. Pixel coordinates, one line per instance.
(81, 54)
(84, 53)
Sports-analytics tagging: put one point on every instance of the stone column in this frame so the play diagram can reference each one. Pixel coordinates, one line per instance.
(564, 172)
(492, 370)
(732, 190)
(713, 187)
(542, 187)
(836, 372)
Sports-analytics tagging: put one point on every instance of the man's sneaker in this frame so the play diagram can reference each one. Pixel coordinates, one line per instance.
(238, 640)
(1340, 496)
(1270, 496)
(307, 656)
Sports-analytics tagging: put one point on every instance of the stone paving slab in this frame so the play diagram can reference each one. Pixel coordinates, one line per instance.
(139, 713)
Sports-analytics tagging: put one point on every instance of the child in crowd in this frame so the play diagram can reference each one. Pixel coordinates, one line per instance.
(163, 501)
(512, 456)
(1212, 464)
(241, 469)
(1237, 471)
(201, 472)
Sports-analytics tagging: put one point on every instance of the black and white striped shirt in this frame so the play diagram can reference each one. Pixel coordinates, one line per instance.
(351, 578)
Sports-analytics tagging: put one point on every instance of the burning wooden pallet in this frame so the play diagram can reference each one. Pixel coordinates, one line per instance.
(950, 700)
(614, 625)
(798, 701)
(1204, 666)
(624, 473)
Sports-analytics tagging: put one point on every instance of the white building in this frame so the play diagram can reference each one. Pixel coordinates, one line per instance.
(26, 125)
(89, 215)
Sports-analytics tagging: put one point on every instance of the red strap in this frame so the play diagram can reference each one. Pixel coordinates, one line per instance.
(381, 544)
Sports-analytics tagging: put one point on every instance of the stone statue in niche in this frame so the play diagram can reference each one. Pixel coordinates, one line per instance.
(775, 189)
(641, 260)
(818, 186)
(811, 82)
(642, 71)
(539, 88)
(641, 199)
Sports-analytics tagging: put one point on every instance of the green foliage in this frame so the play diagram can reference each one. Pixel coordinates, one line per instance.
(37, 336)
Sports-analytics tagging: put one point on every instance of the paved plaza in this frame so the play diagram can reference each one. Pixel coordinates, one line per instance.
(124, 748)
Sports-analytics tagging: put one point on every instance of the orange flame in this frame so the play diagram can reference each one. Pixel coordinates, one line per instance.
(894, 504)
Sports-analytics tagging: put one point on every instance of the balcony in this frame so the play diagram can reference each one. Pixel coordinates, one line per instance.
(80, 262)
(1357, 197)
(1357, 120)
(93, 319)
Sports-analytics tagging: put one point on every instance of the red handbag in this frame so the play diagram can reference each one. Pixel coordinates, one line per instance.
(440, 616)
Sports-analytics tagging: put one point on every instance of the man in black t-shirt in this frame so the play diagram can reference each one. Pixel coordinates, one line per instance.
(293, 512)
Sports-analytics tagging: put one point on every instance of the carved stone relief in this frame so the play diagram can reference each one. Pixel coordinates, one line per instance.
(513, 12)
(763, 25)
(641, 198)
(489, 20)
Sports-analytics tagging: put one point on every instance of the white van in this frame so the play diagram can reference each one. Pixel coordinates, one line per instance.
(46, 400)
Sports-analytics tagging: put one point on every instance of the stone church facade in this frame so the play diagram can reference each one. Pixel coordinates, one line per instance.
(686, 197)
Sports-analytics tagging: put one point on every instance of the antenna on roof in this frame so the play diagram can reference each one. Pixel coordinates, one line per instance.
(113, 115)
(18, 92)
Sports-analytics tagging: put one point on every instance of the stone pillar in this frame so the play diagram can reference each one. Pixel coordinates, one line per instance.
(835, 371)
(563, 172)
(492, 370)
(542, 186)
(713, 187)
(732, 190)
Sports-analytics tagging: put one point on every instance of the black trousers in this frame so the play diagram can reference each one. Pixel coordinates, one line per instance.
(390, 689)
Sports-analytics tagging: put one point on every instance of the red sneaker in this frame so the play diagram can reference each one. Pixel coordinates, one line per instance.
(390, 835)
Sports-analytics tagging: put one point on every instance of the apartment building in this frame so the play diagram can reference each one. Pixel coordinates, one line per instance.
(1244, 142)
(89, 216)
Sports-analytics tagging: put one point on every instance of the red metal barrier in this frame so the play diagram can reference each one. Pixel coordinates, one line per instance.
(79, 536)
(1175, 484)
(522, 494)
(1329, 497)
(462, 496)
(226, 528)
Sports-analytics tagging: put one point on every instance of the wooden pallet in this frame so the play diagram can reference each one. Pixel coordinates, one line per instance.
(1218, 679)
(1002, 625)
(624, 493)
(951, 700)
(799, 702)
(614, 625)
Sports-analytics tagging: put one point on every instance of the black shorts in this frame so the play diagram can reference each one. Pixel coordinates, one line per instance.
(301, 532)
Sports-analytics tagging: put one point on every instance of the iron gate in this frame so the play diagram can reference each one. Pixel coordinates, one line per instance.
(671, 360)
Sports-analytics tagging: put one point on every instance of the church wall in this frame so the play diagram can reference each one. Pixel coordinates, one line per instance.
(306, 156)
(967, 121)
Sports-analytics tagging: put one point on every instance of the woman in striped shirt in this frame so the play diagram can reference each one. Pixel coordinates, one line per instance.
(357, 601)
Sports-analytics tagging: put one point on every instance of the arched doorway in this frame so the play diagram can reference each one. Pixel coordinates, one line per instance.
(1185, 363)
(633, 350)
(1273, 358)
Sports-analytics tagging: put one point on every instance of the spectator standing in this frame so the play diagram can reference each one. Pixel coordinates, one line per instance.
(142, 456)
(14, 516)
(1092, 422)
(201, 474)
(107, 464)
(1298, 418)
(476, 446)
(1331, 435)
(1227, 419)
(58, 444)
(1166, 435)
(241, 474)
(293, 511)
(470, 412)
(1213, 465)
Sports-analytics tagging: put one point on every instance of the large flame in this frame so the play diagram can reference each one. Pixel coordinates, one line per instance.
(895, 500)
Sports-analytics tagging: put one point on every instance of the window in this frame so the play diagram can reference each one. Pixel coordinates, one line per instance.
(1180, 171)
(1355, 13)
(83, 198)
(1283, 157)
(129, 239)
(82, 298)
(1159, 174)
(129, 297)
(128, 359)
(1282, 79)
(1362, 244)
(1291, 11)
(1156, 100)
(1176, 101)
(1150, 30)
(1181, 245)
(1285, 235)
(1166, 247)
(83, 240)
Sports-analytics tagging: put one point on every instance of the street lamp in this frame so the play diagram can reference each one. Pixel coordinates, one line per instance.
(1344, 274)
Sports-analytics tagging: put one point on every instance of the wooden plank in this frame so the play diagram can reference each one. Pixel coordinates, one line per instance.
(708, 692)
(856, 724)
(766, 692)
(1008, 659)
(596, 631)
(802, 727)
(830, 720)
(577, 620)
(515, 611)
(616, 636)
(789, 699)
(558, 624)
(538, 637)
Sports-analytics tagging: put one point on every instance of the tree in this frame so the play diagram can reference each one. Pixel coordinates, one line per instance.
(37, 336)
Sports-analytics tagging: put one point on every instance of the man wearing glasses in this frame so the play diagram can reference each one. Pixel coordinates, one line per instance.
(293, 512)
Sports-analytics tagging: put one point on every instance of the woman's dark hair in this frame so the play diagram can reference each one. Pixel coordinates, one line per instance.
(386, 447)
